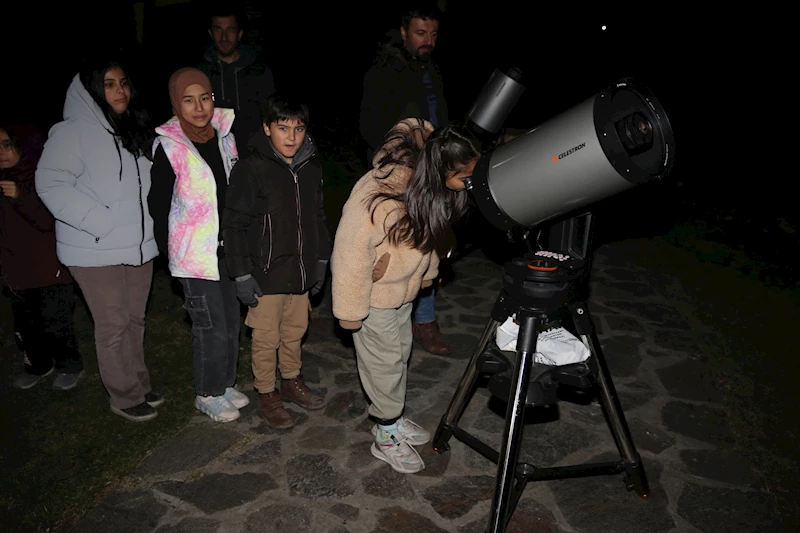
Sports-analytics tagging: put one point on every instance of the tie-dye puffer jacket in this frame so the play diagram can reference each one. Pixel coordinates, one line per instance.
(193, 215)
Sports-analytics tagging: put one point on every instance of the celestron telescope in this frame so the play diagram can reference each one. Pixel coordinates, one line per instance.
(611, 142)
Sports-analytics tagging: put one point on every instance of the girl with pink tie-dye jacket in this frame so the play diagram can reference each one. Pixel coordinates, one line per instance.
(193, 157)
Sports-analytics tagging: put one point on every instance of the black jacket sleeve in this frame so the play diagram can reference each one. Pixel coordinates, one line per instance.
(238, 217)
(159, 199)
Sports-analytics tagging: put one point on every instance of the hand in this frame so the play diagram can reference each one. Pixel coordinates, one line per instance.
(322, 267)
(352, 325)
(427, 283)
(9, 189)
(247, 289)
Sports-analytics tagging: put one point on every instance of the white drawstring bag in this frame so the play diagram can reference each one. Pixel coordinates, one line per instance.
(554, 347)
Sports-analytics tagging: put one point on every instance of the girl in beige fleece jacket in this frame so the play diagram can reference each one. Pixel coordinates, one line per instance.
(397, 215)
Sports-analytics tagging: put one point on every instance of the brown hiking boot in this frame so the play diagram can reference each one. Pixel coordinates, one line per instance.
(270, 408)
(295, 390)
(430, 338)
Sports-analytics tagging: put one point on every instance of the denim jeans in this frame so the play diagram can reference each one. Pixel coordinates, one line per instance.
(44, 323)
(216, 322)
(425, 311)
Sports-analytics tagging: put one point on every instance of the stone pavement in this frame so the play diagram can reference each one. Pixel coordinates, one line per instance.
(320, 476)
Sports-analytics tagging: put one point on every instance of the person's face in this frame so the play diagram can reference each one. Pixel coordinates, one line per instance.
(197, 106)
(226, 35)
(287, 136)
(9, 156)
(420, 38)
(455, 179)
(118, 92)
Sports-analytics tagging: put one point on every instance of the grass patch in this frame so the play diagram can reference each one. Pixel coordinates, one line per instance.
(61, 452)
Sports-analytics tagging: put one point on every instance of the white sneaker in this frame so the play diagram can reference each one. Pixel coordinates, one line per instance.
(408, 431)
(398, 453)
(238, 399)
(218, 408)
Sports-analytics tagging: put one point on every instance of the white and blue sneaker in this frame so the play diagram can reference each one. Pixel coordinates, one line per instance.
(238, 399)
(218, 408)
(409, 431)
(397, 452)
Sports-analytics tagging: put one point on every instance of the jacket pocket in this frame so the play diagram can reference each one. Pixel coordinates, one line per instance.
(197, 307)
(380, 268)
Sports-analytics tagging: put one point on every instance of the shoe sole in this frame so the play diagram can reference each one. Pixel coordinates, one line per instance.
(126, 416)
(74, 384)
(155, 403)
(264, 418)
(216, 418)
(413, 442)
(379, 455)
(37, 381)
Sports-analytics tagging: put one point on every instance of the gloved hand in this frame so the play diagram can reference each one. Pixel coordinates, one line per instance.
(247, 289)
(322, 266)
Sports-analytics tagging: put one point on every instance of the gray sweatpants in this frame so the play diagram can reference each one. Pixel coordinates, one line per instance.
(383, 346)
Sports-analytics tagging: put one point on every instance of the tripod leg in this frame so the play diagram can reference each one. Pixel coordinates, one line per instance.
(515, 413)
(636, 477)
(463, 392)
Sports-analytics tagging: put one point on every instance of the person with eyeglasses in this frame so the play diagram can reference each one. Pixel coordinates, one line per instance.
(41, 288)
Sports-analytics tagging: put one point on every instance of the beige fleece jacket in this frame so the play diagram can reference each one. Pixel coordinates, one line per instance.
(366, 270)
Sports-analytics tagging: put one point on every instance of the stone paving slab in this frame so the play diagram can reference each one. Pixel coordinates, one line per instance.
(319, 477)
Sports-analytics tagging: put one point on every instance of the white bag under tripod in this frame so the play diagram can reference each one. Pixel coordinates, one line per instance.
(554, 347)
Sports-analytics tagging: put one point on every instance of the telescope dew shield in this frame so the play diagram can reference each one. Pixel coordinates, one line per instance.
(609, 143)
(498, 97)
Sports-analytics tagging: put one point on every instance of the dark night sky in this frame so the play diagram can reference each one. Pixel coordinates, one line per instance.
(565, 56)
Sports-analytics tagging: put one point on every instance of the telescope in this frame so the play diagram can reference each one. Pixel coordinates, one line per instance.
(613, 141)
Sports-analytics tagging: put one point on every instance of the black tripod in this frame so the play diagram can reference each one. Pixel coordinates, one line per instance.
(539, 289)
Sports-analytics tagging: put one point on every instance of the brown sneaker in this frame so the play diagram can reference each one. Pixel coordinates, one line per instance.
(430, 338)
(270, 408)
(295, 390)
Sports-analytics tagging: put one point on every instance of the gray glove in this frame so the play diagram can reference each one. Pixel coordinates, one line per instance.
(322, 266)
(247, 289)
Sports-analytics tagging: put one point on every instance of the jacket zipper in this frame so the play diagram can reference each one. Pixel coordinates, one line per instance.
(141, 210)
(300, 220)
(299, 229)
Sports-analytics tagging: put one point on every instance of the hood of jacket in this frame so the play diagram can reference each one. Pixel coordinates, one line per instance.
(263, 144)
(79, 105)
(394, 55)
(247, 56)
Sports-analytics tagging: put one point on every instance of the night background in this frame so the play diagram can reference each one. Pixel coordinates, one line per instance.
(708, 206)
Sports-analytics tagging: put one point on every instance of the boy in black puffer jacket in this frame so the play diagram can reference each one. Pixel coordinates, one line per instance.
(277, 249)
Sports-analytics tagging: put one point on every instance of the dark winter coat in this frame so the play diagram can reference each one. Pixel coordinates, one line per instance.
(394, 90)
(27, 229)
(274, 224)
(243, 86)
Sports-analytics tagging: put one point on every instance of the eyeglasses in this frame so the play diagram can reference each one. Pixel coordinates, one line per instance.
(5, 146)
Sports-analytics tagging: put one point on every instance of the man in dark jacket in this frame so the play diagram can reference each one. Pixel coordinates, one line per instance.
(239, 80)
(404, 82)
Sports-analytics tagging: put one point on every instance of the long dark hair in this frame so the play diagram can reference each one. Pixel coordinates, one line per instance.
(430, 207)
(132, 128)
